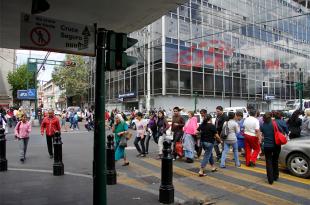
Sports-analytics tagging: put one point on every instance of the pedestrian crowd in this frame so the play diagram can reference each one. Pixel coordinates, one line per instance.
(250, 136)
(21, 122)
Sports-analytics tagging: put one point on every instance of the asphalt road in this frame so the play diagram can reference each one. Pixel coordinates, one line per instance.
(227, 186)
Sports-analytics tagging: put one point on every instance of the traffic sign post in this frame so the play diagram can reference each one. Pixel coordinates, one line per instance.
(48, 34)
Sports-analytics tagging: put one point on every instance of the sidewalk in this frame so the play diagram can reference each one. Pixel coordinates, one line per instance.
(35, 187)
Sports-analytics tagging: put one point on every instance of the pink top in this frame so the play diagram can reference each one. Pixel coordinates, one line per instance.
(22, 130)
(191, 126)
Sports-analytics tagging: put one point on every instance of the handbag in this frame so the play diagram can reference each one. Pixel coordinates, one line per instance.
(128, 135)
(179, 148)
(278, 136)
(123, 142)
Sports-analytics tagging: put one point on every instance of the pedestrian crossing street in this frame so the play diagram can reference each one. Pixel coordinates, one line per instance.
(232, 185)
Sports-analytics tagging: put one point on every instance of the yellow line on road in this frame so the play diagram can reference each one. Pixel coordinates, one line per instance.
(178, 186)
(229, 187)
(282, 175)
(263, 182)
(124, 179)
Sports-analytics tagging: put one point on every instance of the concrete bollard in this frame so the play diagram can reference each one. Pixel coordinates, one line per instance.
(166, 190)
(58, 166)
(3, 160)
(111, 172)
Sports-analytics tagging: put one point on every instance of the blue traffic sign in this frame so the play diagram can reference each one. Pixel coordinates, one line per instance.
(29, 94)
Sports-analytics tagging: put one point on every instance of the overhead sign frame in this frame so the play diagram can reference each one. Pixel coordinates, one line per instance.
(48, 34)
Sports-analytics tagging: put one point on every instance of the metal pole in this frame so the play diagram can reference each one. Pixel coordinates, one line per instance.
(99, 164)
(195, 94)
(166, 190)
(3, 160)
(111, 172)
(300, 90)
(148, 97)
(58, 166)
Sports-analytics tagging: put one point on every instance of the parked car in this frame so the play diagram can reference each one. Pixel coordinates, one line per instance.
(295, 155)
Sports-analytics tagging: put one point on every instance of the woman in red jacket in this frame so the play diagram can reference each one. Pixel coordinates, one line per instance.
(51, 125)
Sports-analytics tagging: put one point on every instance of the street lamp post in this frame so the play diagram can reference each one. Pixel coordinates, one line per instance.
(195, 101)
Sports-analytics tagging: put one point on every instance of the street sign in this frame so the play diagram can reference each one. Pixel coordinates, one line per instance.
(48, 34)
(29, 94)
(32, 67)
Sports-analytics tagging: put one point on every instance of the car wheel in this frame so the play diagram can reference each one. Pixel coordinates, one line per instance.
(298, 165)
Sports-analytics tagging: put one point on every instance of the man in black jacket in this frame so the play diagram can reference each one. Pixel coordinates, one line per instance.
(219, 121)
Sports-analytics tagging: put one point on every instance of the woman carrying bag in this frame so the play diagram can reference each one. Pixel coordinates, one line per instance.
(272, 150)
(120, 130)
(190, 130)
(22, 132)
(162, 127)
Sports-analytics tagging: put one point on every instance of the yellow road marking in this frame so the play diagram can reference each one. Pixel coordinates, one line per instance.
(262, 182)
(179, 187)
(233, 188)
(122, 179)
(282, 175)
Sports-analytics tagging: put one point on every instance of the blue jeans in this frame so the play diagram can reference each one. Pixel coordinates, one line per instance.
(226, 150)
(208, 156)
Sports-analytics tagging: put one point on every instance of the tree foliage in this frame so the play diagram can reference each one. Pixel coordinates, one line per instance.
(19, 78)
(72, 79)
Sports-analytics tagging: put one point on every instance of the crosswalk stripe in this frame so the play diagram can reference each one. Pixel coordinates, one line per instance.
(124, 179)
(282, 175)
(233, 188)
(261, 181)
(181, 187)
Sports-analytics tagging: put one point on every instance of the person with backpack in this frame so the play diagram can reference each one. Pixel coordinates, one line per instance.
(229, 136)
(22, 132)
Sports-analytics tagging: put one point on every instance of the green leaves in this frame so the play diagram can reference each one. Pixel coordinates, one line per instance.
(74, 80)
(18, 79)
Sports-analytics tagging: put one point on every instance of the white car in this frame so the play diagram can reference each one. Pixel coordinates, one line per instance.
(237, 109)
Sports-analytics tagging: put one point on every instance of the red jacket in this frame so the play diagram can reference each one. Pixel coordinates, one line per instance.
(51, 125)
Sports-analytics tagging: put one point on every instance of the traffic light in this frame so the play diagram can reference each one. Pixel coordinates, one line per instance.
(116, 57)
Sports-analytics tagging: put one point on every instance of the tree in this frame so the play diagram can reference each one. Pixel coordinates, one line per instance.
(72, 77)
(19, 79)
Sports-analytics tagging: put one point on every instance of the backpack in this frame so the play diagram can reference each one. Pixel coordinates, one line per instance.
(225, 131)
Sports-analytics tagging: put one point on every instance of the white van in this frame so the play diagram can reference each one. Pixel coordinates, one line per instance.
(237, 109)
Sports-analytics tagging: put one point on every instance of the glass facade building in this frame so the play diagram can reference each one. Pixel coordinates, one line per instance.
(249, 50)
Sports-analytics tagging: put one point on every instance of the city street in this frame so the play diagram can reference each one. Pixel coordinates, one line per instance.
(227, 186)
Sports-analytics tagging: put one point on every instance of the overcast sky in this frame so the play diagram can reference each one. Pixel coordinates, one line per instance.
(23, 55)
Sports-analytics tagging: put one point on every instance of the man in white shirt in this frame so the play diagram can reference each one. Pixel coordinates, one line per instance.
(251, 139)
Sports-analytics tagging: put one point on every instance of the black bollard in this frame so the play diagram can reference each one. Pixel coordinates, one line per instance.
(166, 190)
(3, 160)
(58, 166)
(111, 172)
